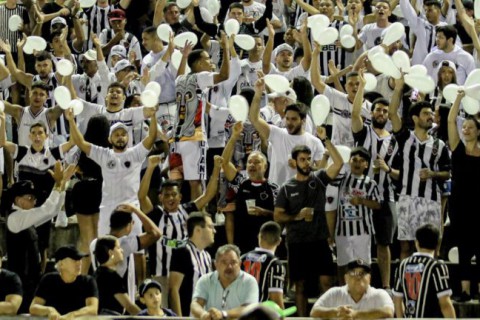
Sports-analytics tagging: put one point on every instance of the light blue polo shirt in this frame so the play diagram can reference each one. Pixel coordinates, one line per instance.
(242, 291)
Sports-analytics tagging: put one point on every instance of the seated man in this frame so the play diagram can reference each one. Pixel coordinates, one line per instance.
(356, 299)
(10, 291)
(225, 292)
(66, 293)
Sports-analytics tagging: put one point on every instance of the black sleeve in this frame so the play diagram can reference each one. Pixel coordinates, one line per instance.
(25, 17)
(360, 136)
(56, 153)
(402, 136)
(46, 284)
(209, 28)
(180, 261)
(91, 287)
(12, 284)
(261, 23)
(21, 152)
(225, 5)
(190, 207)
(323, 177)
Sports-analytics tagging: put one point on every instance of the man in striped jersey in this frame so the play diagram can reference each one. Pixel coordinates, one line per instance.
(190, 262)
(7, 10)
(357, 197)
(425, 165)
(422, 287)
(265, 266)
(382, 147)
(171, 217)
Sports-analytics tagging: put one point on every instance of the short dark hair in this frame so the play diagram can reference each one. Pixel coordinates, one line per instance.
(168, 5)
(236, 5)
(193, 57)
(300, 149)
(372, 96)
(304, 86)
(248, 93)
(449, 31)
(55, 34)
(271, 232)
(428, 236)
(40, 85)
(150, 30)
(129, 100)
(117, 84)
(196, 219)
(226, 248)
(360, 151)
(352, 74)
(417, 107)
(168, 184)
(435, 3)
(298, 107)
(120, 219)
(383, 101)
(39, 124)
(103, 246)
(42, 56)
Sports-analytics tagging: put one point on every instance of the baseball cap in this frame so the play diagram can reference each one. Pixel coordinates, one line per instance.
(290, 94)
(116, 126)
(122, 65)
(359, 263)
(118, 50)
(447, 63)
(22, 188)
(58, 20)
(116, 14)
(468, 4)
(283, 47)
(147, 284)
(90, 55)
(68, 251)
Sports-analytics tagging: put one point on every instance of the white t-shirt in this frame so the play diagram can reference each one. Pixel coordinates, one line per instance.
(462, 60)
(282, 144)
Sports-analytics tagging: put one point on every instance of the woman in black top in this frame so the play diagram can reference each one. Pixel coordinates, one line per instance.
(465, 191)
(113, 296)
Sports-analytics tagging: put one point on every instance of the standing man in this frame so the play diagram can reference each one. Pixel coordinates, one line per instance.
(382, 147)
(425, 165)
(120, 166)
(301, 206)
(189, 132)
(262, 263)
(224, 293)
(421, 283)
(283, 140)
(190, 262)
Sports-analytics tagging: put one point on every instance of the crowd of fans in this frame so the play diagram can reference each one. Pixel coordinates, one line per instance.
(160, 124)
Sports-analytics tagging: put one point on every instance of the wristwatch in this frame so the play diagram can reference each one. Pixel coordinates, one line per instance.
(224, 314)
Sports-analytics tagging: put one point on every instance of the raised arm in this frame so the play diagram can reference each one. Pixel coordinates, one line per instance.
(317, 81)
(152, 233)
(75, 134)
(209, 28)
(357, 121)
(9, 146)
(225, 68)
(23, 78)
(229, 168)
(311, 10)
(267, 53)
(334, 169)
(254, 113)
(261, 23)
(212, 185)
(453, 136)
(145, 202)
(152, 130)
(307, 47)
(14, 110)
(395, 104)
(158, 15)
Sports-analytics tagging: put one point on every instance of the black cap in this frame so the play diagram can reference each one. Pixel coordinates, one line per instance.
(359, 263)
(147, 284)
(22, 188)
(468, 4)
(69, 251)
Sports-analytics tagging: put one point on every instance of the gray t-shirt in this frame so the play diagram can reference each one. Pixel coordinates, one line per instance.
(295, 195)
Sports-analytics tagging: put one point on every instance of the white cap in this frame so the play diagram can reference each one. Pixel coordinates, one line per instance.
(122, 65)
(116, 126)
(89, 55)
(289, 94)
(58, 20)
(118, 50)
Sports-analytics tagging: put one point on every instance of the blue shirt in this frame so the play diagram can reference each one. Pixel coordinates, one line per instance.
(242, 291)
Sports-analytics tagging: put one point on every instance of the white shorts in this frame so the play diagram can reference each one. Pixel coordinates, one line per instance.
(352, 248)
(194, 159)
(414, 212)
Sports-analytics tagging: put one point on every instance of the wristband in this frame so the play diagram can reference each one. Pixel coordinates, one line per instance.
(389, 170)
(224, 314)
(325, 140)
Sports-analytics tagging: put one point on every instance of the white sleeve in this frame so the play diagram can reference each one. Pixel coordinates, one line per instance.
(104, 74)
(103, 37)
(409, 14)
(129, 244)
(99, 154)
(157, 69)
(23, 219)
(383, 300)
(135, 47)
(205, 80)
(328, 299)
(134, 114)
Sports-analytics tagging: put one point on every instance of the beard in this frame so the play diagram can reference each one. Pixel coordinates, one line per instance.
(120, 146)
(378, 125)
(304, 172)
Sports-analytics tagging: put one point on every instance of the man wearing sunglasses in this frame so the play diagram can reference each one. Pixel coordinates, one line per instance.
(357, 299)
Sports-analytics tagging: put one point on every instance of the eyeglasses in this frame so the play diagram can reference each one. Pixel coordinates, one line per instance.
(227, 263)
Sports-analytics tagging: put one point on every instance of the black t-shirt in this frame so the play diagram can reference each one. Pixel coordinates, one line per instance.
(246, 225)
(66, 297)
(9, 284)
(182, 262)
(109, 284)
(168, 313)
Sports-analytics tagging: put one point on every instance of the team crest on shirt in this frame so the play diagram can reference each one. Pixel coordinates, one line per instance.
(329, 199)
(127, 164)
(111, 164)
(82, 88)
(435, 63)
(390, 150)
(435, 151)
